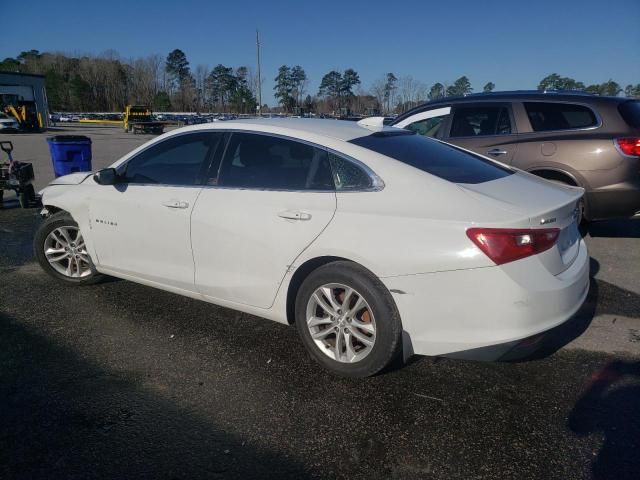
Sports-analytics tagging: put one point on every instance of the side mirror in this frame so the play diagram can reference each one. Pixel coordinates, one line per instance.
(106, 176)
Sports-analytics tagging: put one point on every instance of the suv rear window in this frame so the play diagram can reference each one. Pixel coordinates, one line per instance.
(630, 111)
(559, 116)
(436, 158)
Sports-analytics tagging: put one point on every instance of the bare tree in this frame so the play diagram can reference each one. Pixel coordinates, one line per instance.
(378, 90)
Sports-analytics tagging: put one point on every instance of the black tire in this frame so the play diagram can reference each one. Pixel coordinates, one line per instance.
(388, 337)
(57, 220)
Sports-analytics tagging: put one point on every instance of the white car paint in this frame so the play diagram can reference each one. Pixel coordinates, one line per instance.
(411, 234)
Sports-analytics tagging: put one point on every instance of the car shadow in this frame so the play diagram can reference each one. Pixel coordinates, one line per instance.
(66, 417)
(619, 228)
(610, 406)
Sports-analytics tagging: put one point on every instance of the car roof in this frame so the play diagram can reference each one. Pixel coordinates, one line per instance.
(550, 95)
(336, 129)
(516, 95)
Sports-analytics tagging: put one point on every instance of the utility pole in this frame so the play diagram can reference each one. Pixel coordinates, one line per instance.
(259, 78)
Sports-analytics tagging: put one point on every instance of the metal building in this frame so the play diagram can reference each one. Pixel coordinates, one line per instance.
(27, 87)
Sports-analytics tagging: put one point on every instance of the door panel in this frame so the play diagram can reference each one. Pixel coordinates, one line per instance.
(141, 225)
(485, 128)
(244, 240)
(144, 231)
(273, 197)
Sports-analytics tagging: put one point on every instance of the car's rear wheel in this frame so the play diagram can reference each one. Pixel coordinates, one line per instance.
(62, 252)
(347, 320)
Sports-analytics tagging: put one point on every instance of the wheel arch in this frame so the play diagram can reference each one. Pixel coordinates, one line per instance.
(556, 174)
(563, 176)
(53, 209)
(304, 270)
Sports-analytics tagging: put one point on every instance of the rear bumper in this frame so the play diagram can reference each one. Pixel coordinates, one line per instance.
(620, 200)
(482, 313)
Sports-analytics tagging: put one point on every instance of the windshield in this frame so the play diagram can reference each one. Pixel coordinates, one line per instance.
(434, 157)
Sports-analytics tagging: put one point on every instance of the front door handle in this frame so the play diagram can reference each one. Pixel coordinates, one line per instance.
(496, 152)
(176, 204)
(295, 215)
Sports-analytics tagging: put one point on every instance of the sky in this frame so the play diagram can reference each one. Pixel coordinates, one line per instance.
(511, 43)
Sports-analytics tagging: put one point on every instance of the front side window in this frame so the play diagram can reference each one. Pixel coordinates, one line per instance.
(268, 162)
(429, 127)
(434, 157)
(179, 160)
(480, 121)
(545, 117)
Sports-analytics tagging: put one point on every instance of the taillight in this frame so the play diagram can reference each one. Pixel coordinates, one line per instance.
(629, 146)
(503, 245)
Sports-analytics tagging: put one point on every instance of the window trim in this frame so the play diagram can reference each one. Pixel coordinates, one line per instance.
(208, 161)
(377, 184)
(507, 105)
(580, 104)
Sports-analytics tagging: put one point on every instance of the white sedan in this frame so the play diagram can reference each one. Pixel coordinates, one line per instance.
(375, 242)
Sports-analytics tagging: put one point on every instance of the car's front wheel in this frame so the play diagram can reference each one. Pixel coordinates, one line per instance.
(62, 252)
(347, 320)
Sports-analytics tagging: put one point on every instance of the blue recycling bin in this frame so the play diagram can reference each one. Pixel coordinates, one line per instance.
(69, 154)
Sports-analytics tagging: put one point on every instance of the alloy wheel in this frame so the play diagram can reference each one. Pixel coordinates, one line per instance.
(341, 323)
(65, 250)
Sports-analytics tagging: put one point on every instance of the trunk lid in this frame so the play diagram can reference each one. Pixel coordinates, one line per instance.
(537, 203)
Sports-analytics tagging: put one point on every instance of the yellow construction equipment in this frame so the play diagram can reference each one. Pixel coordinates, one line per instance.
(24, 111)
(138, 119)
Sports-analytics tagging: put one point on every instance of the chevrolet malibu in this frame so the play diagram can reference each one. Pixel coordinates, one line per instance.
(377, 243)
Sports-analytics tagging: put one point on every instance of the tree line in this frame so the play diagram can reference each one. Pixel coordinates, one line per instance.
(108, 82)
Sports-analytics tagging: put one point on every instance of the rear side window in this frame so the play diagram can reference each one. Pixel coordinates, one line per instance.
(348, 175)
(545, 117)
(267, 162)
(434, 157)
(480, 121)
(630, 111)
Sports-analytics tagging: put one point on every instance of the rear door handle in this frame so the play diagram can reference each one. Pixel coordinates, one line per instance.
(176, 204)
(295, 215)
(496, 152)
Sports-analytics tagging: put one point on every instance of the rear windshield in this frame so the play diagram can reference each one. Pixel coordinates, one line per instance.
(630, 111)
(436, 158)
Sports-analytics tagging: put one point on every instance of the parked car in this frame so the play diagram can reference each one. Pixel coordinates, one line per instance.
(373, 240)
(571, 138)
(8, 123)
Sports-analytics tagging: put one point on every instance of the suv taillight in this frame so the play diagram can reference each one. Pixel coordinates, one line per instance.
(503, 245)
(629, 146)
